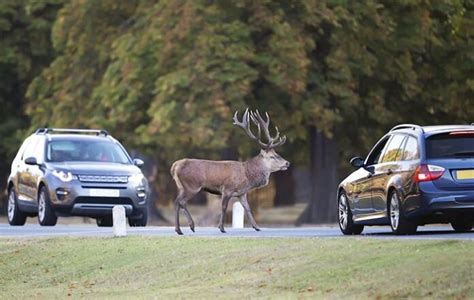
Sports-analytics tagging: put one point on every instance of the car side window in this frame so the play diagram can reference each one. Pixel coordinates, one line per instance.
(411, 151)
(19, 154)
(31, 149)
(376, 152)
(393, 152)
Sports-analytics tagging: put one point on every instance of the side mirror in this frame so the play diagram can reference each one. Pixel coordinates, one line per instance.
(138, 162)
(357, 162)
(31, 161)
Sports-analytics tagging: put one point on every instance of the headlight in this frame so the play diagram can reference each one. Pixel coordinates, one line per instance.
(137, 179)
(64, 176)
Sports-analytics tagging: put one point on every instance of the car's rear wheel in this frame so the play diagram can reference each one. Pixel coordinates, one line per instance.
(346, 224)
(462, 225)
(139, 221)
(46, 215)
(105, 221)
(398, 222)
(15, 216)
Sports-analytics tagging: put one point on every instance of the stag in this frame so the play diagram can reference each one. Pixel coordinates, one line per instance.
(230, 178)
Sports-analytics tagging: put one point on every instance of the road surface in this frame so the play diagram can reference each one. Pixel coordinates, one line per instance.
(89, 230)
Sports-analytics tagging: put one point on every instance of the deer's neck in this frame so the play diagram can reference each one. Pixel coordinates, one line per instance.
(256, 172)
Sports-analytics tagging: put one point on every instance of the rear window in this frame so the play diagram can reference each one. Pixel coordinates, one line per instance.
(450, 146)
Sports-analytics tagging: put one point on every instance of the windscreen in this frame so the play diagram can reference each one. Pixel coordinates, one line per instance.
(450, 146)
(85, 151)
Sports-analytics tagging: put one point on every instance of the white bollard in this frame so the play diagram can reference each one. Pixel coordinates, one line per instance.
(119, 219)
(237, 215)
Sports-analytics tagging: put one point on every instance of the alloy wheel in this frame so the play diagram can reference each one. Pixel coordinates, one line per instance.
(343, 211)
(41, 207)
(394, 211)
(11, 206)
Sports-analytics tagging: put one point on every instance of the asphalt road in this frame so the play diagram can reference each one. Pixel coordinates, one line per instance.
(88, 230)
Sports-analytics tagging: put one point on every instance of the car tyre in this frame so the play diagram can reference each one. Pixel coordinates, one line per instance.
(46, 215)
(140, 221)
(462, 225)
(106, 221)
(346, 224)
(15, 216)
(398, 222)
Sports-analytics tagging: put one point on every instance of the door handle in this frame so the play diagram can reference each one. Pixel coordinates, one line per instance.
(369, 175)
(389, 171)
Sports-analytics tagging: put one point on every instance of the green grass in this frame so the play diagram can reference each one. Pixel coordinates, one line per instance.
(189, 267)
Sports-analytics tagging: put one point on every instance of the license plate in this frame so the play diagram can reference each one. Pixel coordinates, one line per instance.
(465, 174)
(104, 193)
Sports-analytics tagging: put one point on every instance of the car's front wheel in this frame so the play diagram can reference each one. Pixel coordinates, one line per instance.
(346, 224)
(462, 225)
(139, 221)
(15, 216)
(398, 222)
(46, 215)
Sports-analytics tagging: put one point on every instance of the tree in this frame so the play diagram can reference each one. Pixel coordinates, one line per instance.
(25, 50)
(165, 77)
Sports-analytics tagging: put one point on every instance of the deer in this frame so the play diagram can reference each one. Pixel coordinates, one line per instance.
(230, 178)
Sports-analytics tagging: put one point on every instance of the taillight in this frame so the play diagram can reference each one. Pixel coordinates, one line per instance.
(427, 173)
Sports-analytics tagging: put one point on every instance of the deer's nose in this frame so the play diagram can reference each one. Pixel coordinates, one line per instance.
(287, 164)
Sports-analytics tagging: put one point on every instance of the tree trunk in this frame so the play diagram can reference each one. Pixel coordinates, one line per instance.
(284, 188)
(324, 163)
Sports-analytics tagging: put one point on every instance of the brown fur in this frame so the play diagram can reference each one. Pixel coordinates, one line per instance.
(226, 178)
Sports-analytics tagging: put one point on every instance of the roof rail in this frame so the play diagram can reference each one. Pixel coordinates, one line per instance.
(403, 126)
(69, 130)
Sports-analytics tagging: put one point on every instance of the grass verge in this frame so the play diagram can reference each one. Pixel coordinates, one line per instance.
(188, 267)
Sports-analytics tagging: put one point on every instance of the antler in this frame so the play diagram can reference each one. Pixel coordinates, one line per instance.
(261, 124)
(245, 125)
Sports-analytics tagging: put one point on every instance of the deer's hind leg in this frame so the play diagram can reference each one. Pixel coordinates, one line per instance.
(188, 215)
(180, 202)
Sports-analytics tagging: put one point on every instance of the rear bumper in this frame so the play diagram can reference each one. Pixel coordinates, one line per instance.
(431, 202)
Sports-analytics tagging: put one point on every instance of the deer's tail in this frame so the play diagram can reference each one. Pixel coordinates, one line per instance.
(174, 173)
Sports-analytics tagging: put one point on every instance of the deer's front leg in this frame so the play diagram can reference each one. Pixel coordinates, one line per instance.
(225, 202)
(248, 211)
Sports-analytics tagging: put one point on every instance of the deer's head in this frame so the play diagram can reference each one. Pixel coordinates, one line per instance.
(272, 160)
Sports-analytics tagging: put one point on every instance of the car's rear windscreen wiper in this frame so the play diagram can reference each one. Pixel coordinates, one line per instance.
(462, 153)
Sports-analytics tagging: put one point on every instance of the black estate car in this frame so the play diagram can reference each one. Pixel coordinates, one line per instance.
(413, 176)
(75, 172)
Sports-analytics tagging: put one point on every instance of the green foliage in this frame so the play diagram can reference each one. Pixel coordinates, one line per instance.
(166, 76)
(25, 49)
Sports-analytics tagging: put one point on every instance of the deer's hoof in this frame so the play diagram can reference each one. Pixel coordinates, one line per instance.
(192, 228)
(179, 232)
(222, 230)
(257, 229)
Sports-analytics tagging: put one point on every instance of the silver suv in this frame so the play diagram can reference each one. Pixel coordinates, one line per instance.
(75, 172)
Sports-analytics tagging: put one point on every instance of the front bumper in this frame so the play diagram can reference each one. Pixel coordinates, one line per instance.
(75, 198)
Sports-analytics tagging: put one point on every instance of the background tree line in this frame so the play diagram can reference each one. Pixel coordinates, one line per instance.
(165, 77)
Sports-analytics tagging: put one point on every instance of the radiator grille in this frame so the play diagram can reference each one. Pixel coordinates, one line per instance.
(103, 178)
